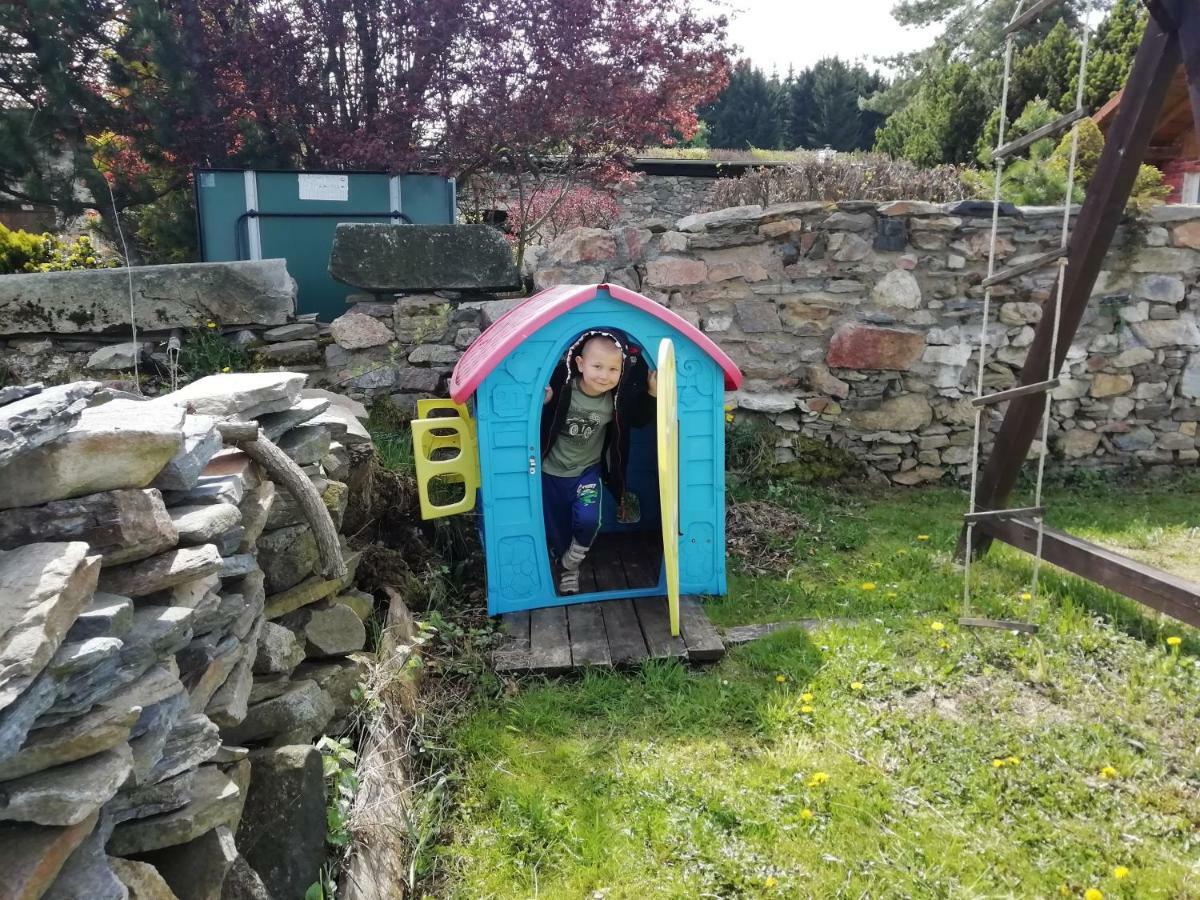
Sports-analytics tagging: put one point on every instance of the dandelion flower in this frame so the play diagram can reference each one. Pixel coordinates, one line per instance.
(1093, 894)
(770, 881)
(728, 417)
(212, 324)
(1013, 760)
(1109, 772)
(1120, 872)
(225, 369)
(1026, 595)
(806, 814)
(892, 594)
(818, 779)
(856, 685)
(806, 697)
(781, 678)
(806, 709)
(903, 551)
(937, 626)
(997, 764)
(1064, 891)
(1174, 640)
(922, 537)
(945, 645)
(868, 585)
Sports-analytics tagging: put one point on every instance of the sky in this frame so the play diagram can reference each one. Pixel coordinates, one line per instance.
(800, 32)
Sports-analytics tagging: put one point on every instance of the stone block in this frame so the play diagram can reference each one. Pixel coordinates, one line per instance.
(289, 353)
(757, 316)
(196, 870)
(67, 794)
(1181, 332)
(669, 271)
(358, 331)
(732, 217)
(171, 296)
(117, 357)
(204, 523)
(287, 557)
(867, 347)
(278, 650)
(240, 395)
(303, 709)
(104, 728)
(141, 879)
(160, 572)
(276, 425)
(908, 412)
(581, 245)
(201, 442)
(384, 258)
(34, 855)
(328, 629)
(306, 444)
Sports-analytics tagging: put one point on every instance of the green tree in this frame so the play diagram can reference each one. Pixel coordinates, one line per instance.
(824, 102)
(942, 122)
(748, 113)
(1112, 52)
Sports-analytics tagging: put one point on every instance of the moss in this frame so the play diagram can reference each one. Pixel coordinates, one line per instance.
(816, 461)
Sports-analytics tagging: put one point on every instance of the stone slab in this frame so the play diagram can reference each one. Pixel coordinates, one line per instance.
(160, 572)
(42, 416)
(66, 795)
(244, 395)
(383, 258)
(171, 296)
(33, 856)
(201, 442)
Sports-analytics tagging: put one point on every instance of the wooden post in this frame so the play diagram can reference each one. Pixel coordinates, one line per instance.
(1145, 92)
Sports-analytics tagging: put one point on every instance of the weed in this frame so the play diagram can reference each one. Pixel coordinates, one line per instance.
(205, 351)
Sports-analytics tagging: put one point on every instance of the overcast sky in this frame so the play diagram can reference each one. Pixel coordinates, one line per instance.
(799, 32)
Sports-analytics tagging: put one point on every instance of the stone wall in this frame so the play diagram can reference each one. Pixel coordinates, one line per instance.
(169, 648)
(856, 324)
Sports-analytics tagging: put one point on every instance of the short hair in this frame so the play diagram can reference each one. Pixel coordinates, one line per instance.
(611, 341)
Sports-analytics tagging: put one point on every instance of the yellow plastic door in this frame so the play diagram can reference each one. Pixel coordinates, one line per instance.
(668, 474)
(434, 433)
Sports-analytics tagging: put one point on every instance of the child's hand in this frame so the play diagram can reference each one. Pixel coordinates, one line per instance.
(652, 384)
(549, 394)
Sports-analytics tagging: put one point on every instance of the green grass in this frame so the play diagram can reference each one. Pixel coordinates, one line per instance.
(926, 763)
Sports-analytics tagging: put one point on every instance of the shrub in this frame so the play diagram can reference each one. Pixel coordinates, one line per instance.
(550, 213)
(21, 251)
(845, 176)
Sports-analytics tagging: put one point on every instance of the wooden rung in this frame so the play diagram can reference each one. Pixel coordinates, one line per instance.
(993, 515)
(999, 625)
(1030, 15)
(1021, 143)
(1024, 268)
(1020, 391)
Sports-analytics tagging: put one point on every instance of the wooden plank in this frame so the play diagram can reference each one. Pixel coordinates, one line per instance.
(744, 634)
(1000, 396)
(513, 653)
(1030, 15)
(587, 576)
(701, 639)
(998, 624)
(1150, 78)
(1027, 140)
(606, 564)
(1020, 512)
(1175, 596)
(641, 556)
(589, 643)
(1024, 268)
(625, 642)
(549, 641)
(656, 628)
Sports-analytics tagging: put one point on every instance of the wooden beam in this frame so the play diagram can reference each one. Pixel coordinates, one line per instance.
(1175, 596)
(1030, 15)
(1000, 396)
(1024, 268)
(1028, 140)
(1153, 69)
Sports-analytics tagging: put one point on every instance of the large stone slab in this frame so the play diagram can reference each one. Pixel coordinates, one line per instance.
(245, 395)
(102, 729)
(243, 883)
(196, 870)
(328, 629)
(205, 522)
(383, 259)
(43, 587)
(868, 347)
(193, 740)
(908, 412)
(161, 572)
(124, 526)
(172, 296)
(86, 873)
(33, 855)
(275, 425)
(201, 442)
(67, 794)
(141, 879)
(288, 787)
(42, 416)
(121, 444)
(303, 708)
(287, 556)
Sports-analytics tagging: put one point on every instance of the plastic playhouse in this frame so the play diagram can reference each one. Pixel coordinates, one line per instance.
(487, 438)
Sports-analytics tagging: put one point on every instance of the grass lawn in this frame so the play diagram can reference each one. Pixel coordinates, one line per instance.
(884, 753)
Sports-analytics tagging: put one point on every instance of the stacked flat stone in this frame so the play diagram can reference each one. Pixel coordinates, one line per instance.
(168, 648)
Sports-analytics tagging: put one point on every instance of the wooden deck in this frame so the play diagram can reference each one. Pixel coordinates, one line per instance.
(610, 633)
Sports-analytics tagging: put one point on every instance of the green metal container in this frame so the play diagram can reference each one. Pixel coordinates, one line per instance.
(247, 214)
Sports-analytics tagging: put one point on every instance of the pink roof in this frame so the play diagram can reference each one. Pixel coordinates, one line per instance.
(519, 323)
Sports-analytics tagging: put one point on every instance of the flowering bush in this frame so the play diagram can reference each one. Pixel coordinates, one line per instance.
(21, 251)
(551, 212)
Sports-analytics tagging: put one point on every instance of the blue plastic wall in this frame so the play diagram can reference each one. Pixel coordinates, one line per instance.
(508, 408)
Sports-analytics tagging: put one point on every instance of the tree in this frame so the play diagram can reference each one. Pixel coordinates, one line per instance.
(1111, 56)
(825, 107)
(748, 113)
(942, 122)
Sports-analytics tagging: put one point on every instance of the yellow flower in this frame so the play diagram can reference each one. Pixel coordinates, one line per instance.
(1109, 772)
(937, 626)
(212, 324)
(225, 369)
(997, 764)
(868, 585)
(806, 697)
(1120, 872)
(1174, 640)
(806, 709)
(945, 645)
(728, 417)
(1064, 891)
(903, 551)
(1026, 596)
(1093, 894)
(1013, 760)
(818, 779)
(892, 594)
(770, 881)
(781, 678)
(922, 537)
(856, 685)
(806, 814)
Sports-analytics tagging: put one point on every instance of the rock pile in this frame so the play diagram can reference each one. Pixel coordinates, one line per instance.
(171, 641)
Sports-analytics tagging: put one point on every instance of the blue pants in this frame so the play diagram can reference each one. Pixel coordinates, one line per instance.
(571, 507)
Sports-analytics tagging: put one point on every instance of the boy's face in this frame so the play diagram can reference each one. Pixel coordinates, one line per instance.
(599, 367)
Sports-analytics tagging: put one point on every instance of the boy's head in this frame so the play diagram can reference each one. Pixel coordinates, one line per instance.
(599, 364)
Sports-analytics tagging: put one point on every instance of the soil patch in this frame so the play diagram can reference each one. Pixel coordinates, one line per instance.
(761, 536)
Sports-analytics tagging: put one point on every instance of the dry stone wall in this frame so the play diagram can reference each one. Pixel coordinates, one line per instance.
(169, 646)
(857, 324)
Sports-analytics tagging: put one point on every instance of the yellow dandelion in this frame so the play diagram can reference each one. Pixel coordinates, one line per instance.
(1174, 640)
(212, 324)
(937, 626)
(806, 814)
(728, 417)
(806, 697)
(1025, 595)
(1013, 760)
(856, 685)
(225, 369)
(1064, 891)
(818, 779)
(892, 594)
(806, 709)
(781, 678)
(997, 764)
(770, 881)
(1109, 772)
(868, 585)
(1120, 872)
(945, 645)
(922, 537)
(1093, 894)
(903, 551)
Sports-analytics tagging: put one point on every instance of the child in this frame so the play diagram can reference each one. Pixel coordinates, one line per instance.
(602, 390)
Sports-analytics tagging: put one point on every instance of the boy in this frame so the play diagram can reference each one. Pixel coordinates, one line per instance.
(602, 391)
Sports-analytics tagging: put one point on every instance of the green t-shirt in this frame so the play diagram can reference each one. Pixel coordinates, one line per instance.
(581, 440)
